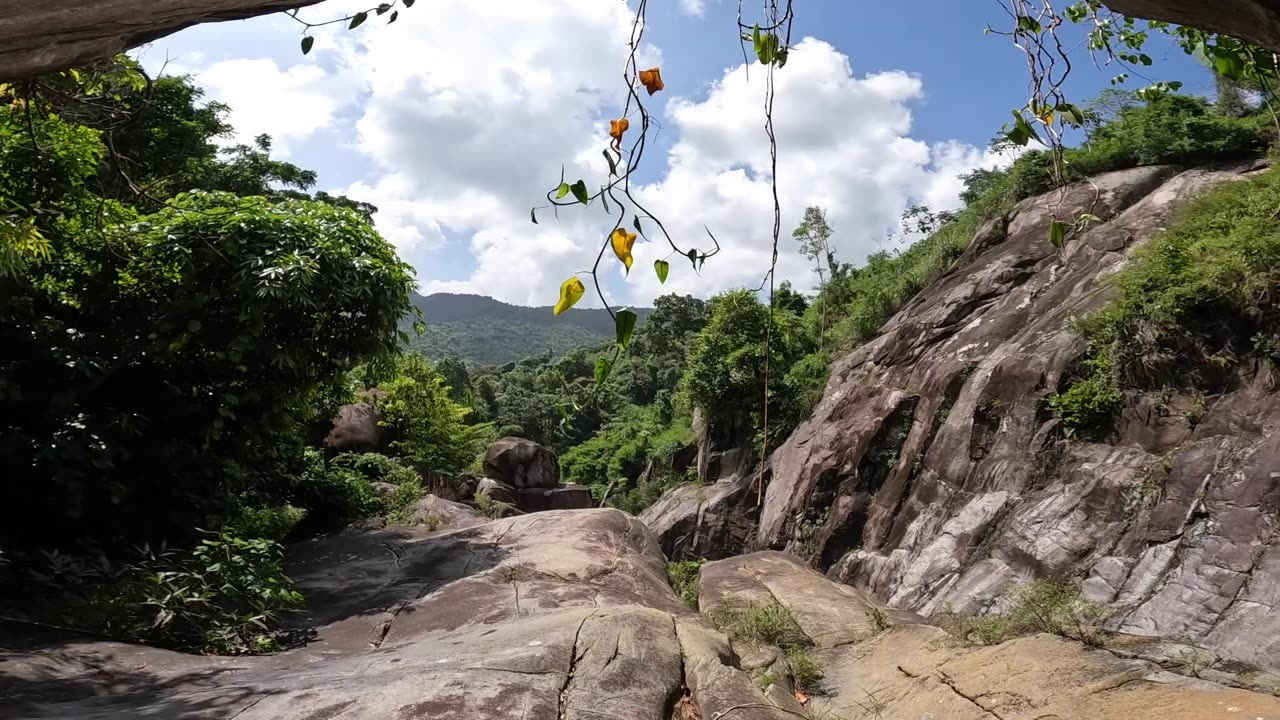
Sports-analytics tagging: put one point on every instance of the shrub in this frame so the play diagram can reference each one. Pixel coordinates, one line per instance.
(771, 624)
(1087, 407)
(879, 619)
(332, 495)
(224, 596)
(804, 669)
(274, 522)
(1046, 606)
(683, 576)
(428, 427)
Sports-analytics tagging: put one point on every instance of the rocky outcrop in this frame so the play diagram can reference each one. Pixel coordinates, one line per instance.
(438, 513)
(521, 464)
(357, 428)
(902, 668)
(568, 616)
(931, 475)
(708, 521)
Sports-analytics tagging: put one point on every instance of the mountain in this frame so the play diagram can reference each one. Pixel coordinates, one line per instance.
(484, 331)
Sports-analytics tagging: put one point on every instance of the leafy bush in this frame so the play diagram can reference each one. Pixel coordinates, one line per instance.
(224, 596)
(274, 522)
(332, 495)
(683, 576)
(428, 427)
(375, 468)
(621, 450)
(1087, 407)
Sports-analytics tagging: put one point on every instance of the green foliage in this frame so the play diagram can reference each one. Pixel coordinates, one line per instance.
(804, 668)
(156, 363)
(725, 367)
(274, 522)
(683, 576)
(1087, 407)
(1124, 133)
(223, 596)
(428, 427)
(771, 624)
(1045, 606)
(1191, 305)
(879, 619)
(622, 449)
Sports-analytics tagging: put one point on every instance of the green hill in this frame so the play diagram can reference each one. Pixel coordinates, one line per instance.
(484, 331)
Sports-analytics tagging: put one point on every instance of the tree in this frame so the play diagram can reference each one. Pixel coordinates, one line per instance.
(156, 364)
(725, 375)
(429, 428)
(814, 235)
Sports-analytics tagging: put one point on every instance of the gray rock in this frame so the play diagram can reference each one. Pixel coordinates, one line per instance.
(522, 463)
(356, 429)
(496, 491)
(931, 475)
(447, 515)
(560, 497)
(704, 521)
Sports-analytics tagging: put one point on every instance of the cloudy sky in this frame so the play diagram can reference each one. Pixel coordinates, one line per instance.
(457, 119)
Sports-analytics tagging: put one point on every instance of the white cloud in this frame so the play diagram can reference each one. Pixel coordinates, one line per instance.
(693, 7)
(286, 103)
(467, 115)
(843, 144)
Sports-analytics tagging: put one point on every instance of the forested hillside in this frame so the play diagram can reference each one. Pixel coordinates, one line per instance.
(482, 331)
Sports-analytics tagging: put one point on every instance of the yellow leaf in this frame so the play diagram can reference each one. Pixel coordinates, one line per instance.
(571, 291)
(622, 242)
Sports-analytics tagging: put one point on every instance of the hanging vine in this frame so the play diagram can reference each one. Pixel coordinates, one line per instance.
(1037, 28)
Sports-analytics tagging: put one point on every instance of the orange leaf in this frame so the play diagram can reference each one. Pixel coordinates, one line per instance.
(616, 128)
(802, 698)
(651, 79)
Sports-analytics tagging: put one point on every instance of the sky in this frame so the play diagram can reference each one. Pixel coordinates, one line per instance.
(456, 119)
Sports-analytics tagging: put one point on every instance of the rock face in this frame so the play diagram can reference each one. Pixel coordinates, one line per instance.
(708, 521)
(930, 474)
(521, 463)
(912, 670)
(568, 616)
(356, 429)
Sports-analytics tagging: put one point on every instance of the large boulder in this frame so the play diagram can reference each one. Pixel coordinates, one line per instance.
(522, 463)
(356, 429)
(437, 513)
(931, 474)
(705, 521)
(560, 497)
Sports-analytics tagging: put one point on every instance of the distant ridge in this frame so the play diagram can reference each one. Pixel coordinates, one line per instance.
(485, 331)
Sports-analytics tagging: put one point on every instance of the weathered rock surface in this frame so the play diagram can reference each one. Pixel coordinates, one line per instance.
(522, 463)
(913, 670)
(542, 617)
(448, 515)
(356, 429)
(567, 616)
(930, 474)
(708, 521)
(560, 497)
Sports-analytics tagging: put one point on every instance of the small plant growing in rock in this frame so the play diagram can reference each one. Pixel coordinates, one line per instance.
(771, 624)
(879, 619)
(490, 508)
(804, 669)
(683, 576)
(1046, 606)
(431, 521)
(763, 679)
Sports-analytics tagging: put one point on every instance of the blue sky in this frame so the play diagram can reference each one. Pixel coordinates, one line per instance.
(457, 118)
